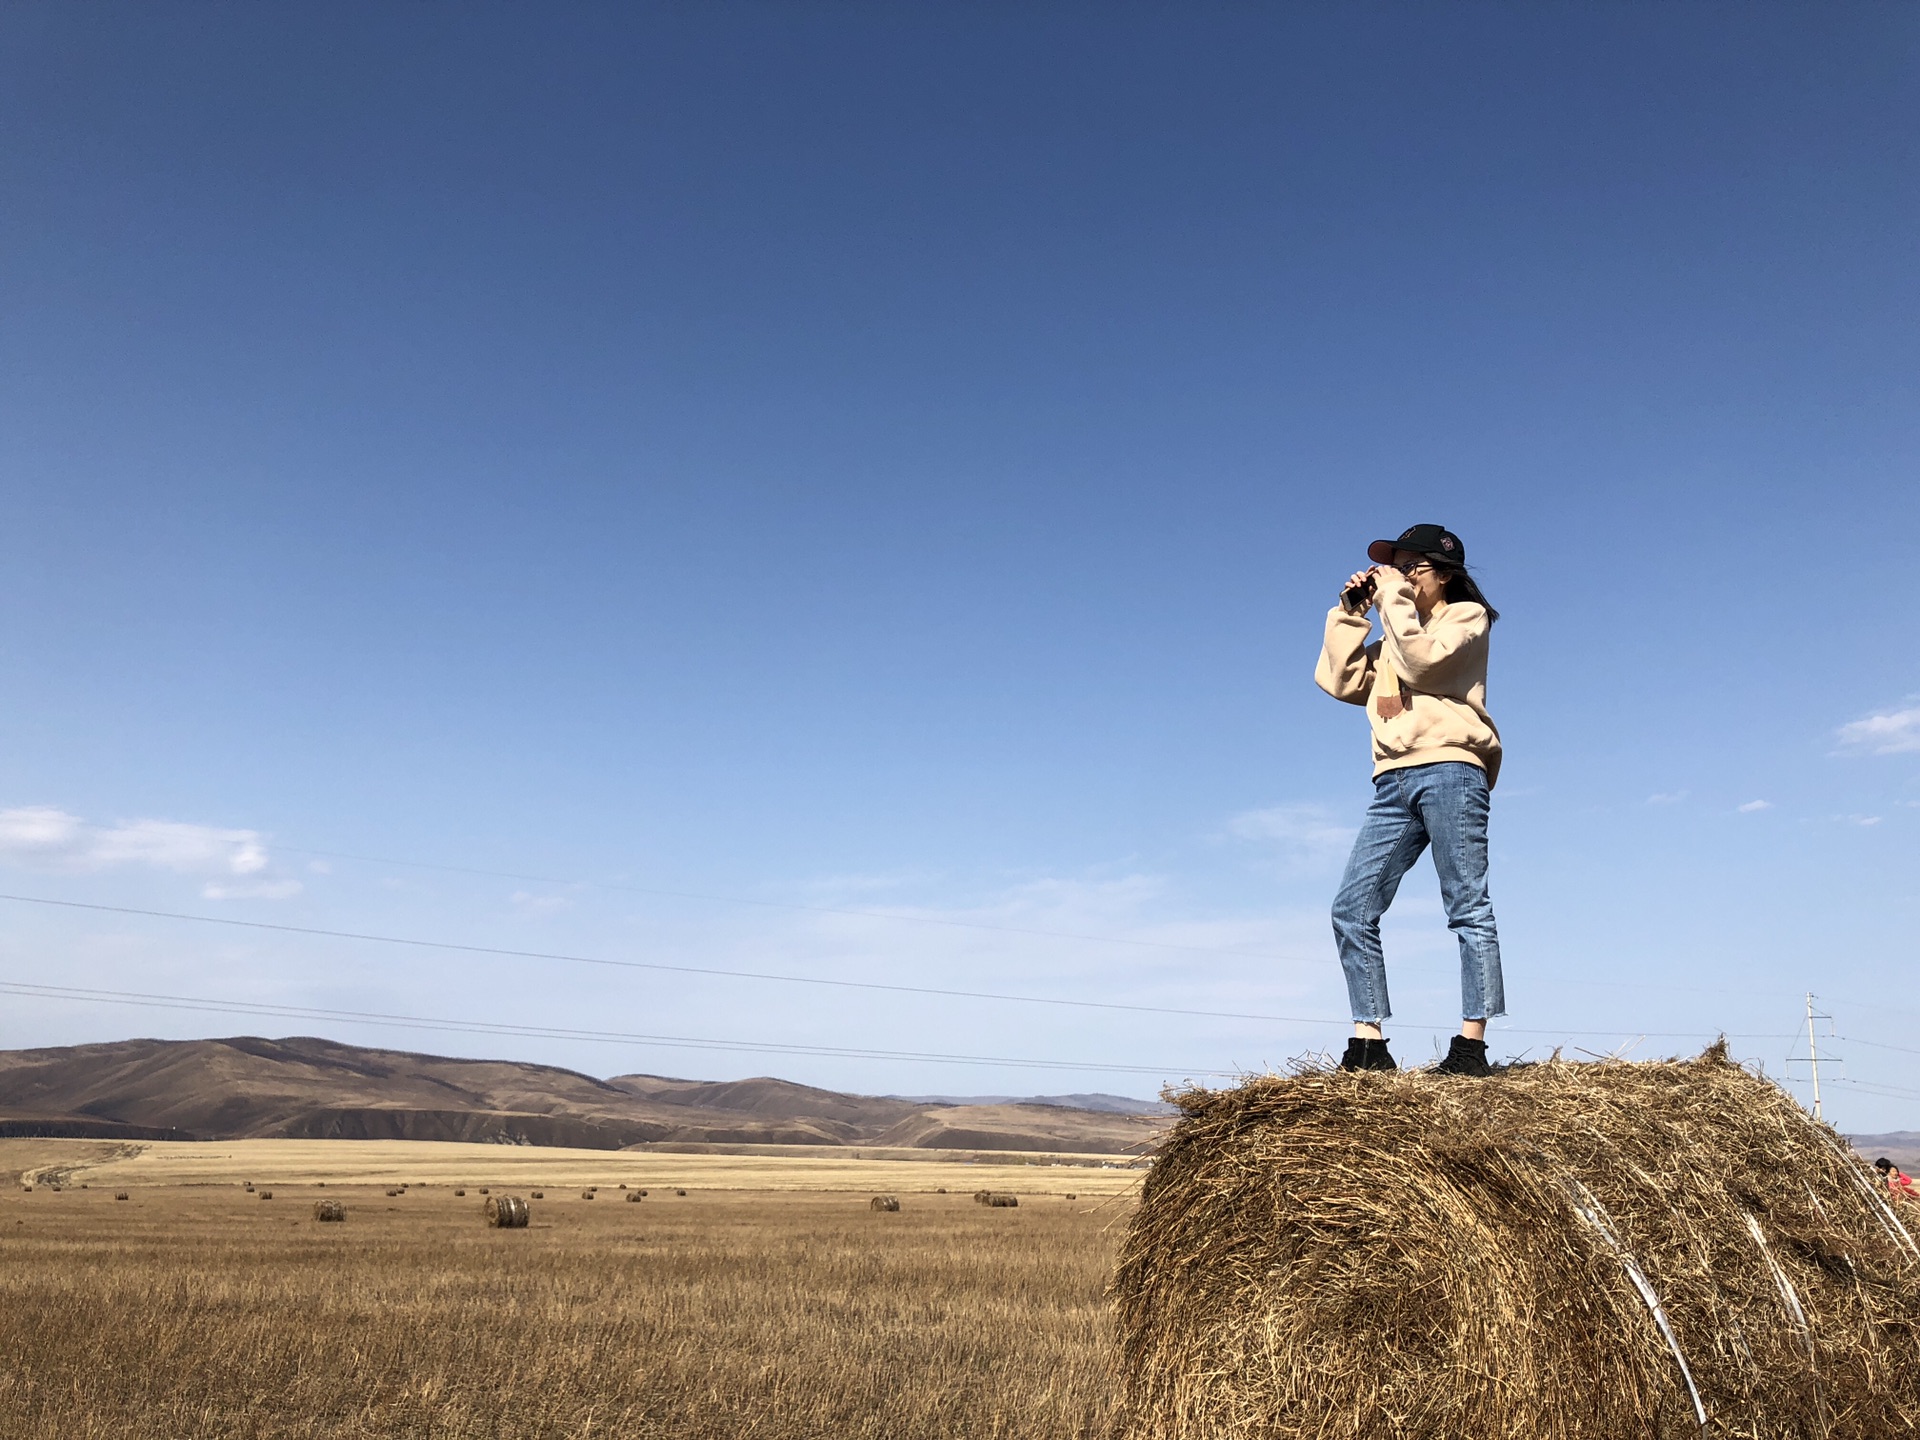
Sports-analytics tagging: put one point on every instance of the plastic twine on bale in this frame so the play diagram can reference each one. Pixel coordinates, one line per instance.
(1788, 1295)
(1595, 1214)
(1795, 1311)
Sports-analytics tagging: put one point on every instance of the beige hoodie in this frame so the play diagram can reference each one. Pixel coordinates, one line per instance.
(1424, 686)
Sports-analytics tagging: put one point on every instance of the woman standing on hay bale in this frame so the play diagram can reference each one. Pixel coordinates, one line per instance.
(1436, 755)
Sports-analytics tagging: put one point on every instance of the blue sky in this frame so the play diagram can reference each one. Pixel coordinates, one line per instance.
(851, 492)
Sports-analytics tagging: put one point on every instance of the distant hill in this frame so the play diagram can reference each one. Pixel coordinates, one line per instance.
(1107, 1104)
(1900, 1146)
(305, 1088)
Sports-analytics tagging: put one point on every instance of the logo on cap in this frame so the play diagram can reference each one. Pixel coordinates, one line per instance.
(1446, 542)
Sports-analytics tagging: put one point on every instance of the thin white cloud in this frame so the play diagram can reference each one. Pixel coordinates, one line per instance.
(1886, 732)
(259, 890)
(529, 903)
(1666, 797)
(1307, 832)
(46, 838)
(1753, 806)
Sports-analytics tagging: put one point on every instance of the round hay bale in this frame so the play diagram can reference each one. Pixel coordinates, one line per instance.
(483, 1190)
(884, 1202)
(458, 1193)
(623, 1184)
(119, 1194)
(681, 1193)
(538, 1194)
(329, 1210)
(635, 1195)
(1582, 1251)
(1072, 1196)
(981, 1197)
(1003, 1202)
(941, 1191)
(508, 1212)
(586, 1194)
(266, 1194)
(641, 1193)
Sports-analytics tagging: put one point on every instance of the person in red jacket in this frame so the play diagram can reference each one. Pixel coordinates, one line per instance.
(1899, 1186)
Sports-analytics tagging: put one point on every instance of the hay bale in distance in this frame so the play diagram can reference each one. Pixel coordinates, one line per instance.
(635, 1195)
(266, 1194)
(508, 1212)
(884, 1202)
(1003, 1202)
(458, 1194)
(329, 1210)
(681, 1193)
(483, 1190)
(586, 1194)
(119, 1194)
(538, 1194)
(981, 1197)
(1581, 1251)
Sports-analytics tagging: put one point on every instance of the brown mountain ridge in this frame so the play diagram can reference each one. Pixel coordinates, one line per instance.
(307, 1088)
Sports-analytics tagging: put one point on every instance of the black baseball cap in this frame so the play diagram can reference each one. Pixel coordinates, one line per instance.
(1435, 541)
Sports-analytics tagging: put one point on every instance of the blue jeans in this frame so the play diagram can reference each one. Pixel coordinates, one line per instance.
(1445, 804)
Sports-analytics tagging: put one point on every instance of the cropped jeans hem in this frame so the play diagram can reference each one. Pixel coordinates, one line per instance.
(1443, 805)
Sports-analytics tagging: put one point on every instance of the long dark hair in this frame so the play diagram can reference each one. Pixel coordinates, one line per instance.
(1462, 586)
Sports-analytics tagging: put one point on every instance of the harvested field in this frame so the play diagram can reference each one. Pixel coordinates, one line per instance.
(391, 1163)
(724, 1313)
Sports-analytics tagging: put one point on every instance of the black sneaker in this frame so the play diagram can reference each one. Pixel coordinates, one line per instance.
(1465, 1057)
(1367, 1055)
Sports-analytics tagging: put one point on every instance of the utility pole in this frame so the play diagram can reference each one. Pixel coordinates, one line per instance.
(1813, 1056)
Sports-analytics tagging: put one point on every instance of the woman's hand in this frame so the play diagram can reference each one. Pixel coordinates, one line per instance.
(1359, 577)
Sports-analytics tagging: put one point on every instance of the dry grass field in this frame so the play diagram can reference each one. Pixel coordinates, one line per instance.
(195, 1308)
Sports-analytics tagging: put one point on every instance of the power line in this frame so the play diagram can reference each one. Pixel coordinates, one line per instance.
(504, 953)
(952, 924)
(795, 905)
(542, 1032)
(1876, 1044)
(1875, 1087)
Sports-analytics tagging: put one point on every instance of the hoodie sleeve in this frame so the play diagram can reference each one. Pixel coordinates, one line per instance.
(1422, 653)
(1345, 670)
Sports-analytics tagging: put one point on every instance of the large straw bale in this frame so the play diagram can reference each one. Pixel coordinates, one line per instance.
(1562, 1252)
